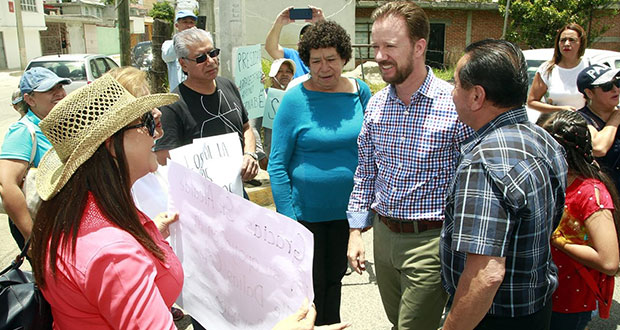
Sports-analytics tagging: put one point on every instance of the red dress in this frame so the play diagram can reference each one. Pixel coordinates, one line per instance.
(573, 295)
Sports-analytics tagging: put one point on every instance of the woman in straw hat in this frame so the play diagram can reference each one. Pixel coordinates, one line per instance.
(99, 261)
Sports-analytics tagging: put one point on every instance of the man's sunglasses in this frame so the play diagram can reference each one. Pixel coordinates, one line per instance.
(606, 87)
(213, 53)
(147, 121)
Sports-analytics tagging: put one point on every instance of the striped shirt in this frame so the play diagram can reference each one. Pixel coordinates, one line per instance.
(505, 200)
(407, 154)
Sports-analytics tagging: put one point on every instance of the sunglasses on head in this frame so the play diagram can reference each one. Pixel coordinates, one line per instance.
(606, 87)
(213, 53)
(147, 121)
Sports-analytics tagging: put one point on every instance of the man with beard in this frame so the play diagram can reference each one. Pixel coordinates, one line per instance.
(408, 152)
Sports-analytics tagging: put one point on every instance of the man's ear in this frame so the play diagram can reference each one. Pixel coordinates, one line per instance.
(419, 47)
(589, 93)
(183, 64)
(477, 97)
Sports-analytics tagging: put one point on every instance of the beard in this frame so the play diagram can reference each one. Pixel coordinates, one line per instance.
(401, 73)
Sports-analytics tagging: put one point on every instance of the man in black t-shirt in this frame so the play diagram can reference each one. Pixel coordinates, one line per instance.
(209, 105)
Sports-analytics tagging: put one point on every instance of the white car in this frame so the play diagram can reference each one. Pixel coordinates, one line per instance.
(82, 69)
(536, 57)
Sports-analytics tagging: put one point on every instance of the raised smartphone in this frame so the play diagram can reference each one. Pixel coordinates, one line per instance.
(300, 13)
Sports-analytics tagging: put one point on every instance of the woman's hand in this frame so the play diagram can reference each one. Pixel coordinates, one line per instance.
(163, 221)
(304, 318)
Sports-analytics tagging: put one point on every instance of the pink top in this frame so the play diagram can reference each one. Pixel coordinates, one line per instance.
(113, 282)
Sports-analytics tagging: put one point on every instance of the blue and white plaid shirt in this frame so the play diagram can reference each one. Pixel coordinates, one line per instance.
(505, 200)
(407, 154)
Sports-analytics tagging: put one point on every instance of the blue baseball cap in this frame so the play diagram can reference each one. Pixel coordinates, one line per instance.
(39, 80)
(184, 13)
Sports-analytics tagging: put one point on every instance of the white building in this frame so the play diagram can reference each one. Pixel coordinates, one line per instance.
(33, 20)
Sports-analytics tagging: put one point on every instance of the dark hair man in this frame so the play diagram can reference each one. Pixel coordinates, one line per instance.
(504, 202)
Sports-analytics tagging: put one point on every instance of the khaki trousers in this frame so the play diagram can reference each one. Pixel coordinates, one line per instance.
(408, 276)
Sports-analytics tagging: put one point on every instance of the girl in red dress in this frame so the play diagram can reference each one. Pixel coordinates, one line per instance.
(585, 243)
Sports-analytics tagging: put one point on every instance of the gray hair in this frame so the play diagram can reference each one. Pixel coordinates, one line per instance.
(184, 39)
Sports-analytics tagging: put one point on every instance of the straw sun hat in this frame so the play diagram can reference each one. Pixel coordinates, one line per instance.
(81, 122)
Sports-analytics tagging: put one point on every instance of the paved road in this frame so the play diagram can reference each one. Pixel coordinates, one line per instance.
(361, 303)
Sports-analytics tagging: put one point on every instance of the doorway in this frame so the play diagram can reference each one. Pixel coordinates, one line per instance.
(436, 43)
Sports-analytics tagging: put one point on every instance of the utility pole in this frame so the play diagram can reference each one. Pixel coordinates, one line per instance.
(230, 35)
(21, 42)
(123, 32)
(206, 8)
(506, 19)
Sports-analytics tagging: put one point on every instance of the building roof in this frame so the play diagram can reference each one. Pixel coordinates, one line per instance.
(439, 4)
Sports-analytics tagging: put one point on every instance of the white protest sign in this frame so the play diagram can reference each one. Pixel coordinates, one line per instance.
(274, 96)
(150, 192)
(248, 73)
(217, 158)
(246, 267)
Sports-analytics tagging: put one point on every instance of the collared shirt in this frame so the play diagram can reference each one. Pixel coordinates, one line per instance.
(506, 198)
(407, 154)
(17, 142)
(175, 73)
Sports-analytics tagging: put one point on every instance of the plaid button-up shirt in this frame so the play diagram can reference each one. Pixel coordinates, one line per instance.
(505, 200)
(407, 154)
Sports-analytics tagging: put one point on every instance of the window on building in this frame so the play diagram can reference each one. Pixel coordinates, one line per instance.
(363, 27)
(29, 5)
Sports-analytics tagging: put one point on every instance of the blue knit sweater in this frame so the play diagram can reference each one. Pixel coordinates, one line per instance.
(314, 152)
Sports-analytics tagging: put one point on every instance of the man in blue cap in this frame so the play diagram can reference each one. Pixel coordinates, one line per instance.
(41, 89)
(184, 19)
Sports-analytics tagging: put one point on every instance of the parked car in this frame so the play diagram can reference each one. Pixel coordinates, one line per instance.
(536, 57)
(142, 55)
(82, 69)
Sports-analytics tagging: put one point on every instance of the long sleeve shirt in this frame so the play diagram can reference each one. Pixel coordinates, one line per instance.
(407, 154)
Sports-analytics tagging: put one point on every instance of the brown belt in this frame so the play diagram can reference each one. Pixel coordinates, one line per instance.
(409, 226)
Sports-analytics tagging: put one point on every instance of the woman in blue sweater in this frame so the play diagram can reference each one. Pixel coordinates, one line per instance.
(314, 156)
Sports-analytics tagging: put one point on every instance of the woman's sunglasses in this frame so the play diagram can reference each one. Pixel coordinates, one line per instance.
(606, 87)
(213, 53)
(147, 121)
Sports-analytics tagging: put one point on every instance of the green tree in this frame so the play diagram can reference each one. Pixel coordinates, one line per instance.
(535, 22)
(163, 10)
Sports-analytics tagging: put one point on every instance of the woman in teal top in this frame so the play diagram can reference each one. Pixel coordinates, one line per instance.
(40, 89)
(314, 156)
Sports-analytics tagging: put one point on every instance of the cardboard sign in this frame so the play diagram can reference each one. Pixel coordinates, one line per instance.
(217, 158)
(248, 73)
(246, 267)
(274, 96)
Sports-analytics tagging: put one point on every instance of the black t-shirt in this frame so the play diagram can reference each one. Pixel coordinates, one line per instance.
(198, 115)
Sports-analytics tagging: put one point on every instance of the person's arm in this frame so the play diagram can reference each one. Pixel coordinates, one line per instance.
(272, 43)
(603, 140)
(249, 167)
(602, 254)
(537, 91)
(168, 54)
(283, 144)
(11, 175)
(476, 288)
(359, 214)
(120, 282)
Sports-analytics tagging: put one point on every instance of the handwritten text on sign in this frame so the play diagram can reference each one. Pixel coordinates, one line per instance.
(248, 73)
(274, 96)
(246, 267)
(217, 158)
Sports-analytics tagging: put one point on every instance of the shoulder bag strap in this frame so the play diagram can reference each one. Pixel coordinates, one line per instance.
(33, 136)
(587, 277)
(18, 260)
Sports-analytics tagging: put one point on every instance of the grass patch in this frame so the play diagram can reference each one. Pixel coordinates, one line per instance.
(446, 74)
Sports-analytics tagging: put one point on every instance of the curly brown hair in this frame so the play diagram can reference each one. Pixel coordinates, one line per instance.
(325, 34)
